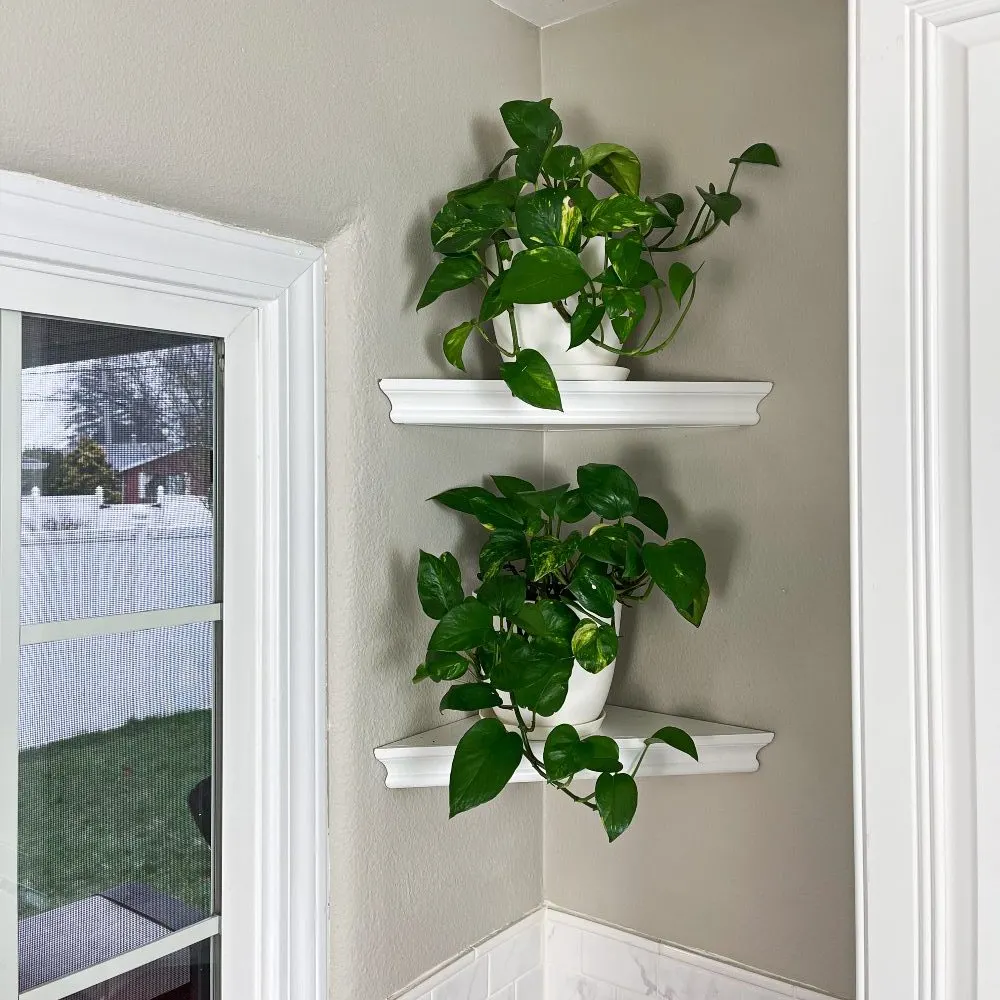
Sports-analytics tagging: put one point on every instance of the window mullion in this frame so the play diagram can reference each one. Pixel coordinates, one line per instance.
(10, 615)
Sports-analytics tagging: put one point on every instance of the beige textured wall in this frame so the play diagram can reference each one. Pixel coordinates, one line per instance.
(755, 868)
(311, 119)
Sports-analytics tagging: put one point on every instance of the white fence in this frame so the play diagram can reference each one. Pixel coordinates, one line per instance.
(81, 561)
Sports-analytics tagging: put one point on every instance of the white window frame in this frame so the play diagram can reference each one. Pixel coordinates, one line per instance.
(926, 851)
(67, 251)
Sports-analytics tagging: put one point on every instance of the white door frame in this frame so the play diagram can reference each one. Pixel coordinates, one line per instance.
(925, 932)
(265, 295)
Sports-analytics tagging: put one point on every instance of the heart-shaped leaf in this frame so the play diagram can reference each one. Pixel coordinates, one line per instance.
(442, 667)
(625, 255)
(679, 279)
(486, 758)
(470, 698)
(503, 594)
(620, 211)
(617, 165)
(617, 799)
(457, 229)
(466, 626)
(450, 273)
(625, 307)
(511, 486)
(672, 204)
(490, 510)
(676, 738)
(562, 754)
(677, 568)
(543, 274)
(489, 192)
(594, 646)
(563, 163)
(530, 379)
(609, 490)
(759, 152)
(723, 204)
(504, 546)
(600, 753)
(586, 321)
(649, 512)
(548, 217)
(544, 681)
(531, 122)
(454, 344)
(594, 591)
(695, 611)
(439, 584)
(572, 507)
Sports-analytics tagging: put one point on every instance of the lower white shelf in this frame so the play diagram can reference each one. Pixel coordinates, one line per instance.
(424, 760)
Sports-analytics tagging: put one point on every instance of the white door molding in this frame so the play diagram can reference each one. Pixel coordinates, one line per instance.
(64, 249)
(920, 912)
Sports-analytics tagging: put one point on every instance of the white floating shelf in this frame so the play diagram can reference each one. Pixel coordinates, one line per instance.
(488, 403)
(424, 761)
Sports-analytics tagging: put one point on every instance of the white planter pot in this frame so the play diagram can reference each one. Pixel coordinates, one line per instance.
(585, 701)
(542, 329)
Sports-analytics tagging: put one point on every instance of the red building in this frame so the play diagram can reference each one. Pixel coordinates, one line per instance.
(142, 468)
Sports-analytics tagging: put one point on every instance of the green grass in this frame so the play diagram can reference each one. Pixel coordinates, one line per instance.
(103, 809)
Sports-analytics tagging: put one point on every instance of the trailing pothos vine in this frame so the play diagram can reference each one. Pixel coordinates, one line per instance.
(546, 597)
(540, 194)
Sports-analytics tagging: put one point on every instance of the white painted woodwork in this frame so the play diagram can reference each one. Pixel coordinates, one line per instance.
(424, 760)
(488, 403)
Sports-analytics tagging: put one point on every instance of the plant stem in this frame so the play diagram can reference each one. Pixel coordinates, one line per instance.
(540, 767)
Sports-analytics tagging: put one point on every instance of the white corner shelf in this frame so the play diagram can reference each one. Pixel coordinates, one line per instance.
(488, 403)
(424, 760)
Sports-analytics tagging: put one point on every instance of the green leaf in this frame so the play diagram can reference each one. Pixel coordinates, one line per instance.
(672, 205)
(485, 760)
(609, 490)
(620, 211)
(695, 611)
(544, 500)
(531, 122)
(548, 217)
(679, 279)
(530, 378)
(470, 698)
(560, 623)
(594, 591)
(607, 544)
(450, 273)
(572, 507)
(584, 199)
(511, 486)
(617, 165)
(442, 667)
(457, 229)
(625, 308)
(651, 514)
(489, 192)
(543, 274)
(490, 510)
(676, 738)
(421, 674)
(594, 646)
(723, 204)
(563, 163)
(504, 546)
(454, 343)
(625, 255)
(493, 301)
(562, 754)
(586, 321)
(678, 569)
(617, 799)
(503, 594)
(439, 584)
(466, 626)
(759, 152)
(600, 753)
(549, 554)
(544, 681)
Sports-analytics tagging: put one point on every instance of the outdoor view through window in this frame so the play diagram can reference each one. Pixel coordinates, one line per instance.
(117, 728)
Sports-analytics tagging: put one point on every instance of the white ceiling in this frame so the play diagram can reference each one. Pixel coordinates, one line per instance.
(546, 12)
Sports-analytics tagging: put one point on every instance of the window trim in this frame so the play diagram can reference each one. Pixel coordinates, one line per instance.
(265, 295)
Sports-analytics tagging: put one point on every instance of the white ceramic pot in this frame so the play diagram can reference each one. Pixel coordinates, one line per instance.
(585, 701)
(541, 328)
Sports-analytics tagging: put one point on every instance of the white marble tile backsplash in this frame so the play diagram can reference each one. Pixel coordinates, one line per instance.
(553, 955)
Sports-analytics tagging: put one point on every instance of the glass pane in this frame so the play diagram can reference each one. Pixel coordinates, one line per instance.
(186, 975)
(115, 817)
(117, 470)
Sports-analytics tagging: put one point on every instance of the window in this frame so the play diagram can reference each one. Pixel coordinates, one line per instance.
(120, 612)
(143, 281)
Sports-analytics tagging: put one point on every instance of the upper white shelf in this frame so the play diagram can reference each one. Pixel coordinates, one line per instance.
(424, 760)
(488, 403)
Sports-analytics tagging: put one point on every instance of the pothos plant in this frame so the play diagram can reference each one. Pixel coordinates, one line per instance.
(546, 203)
(545, 596)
